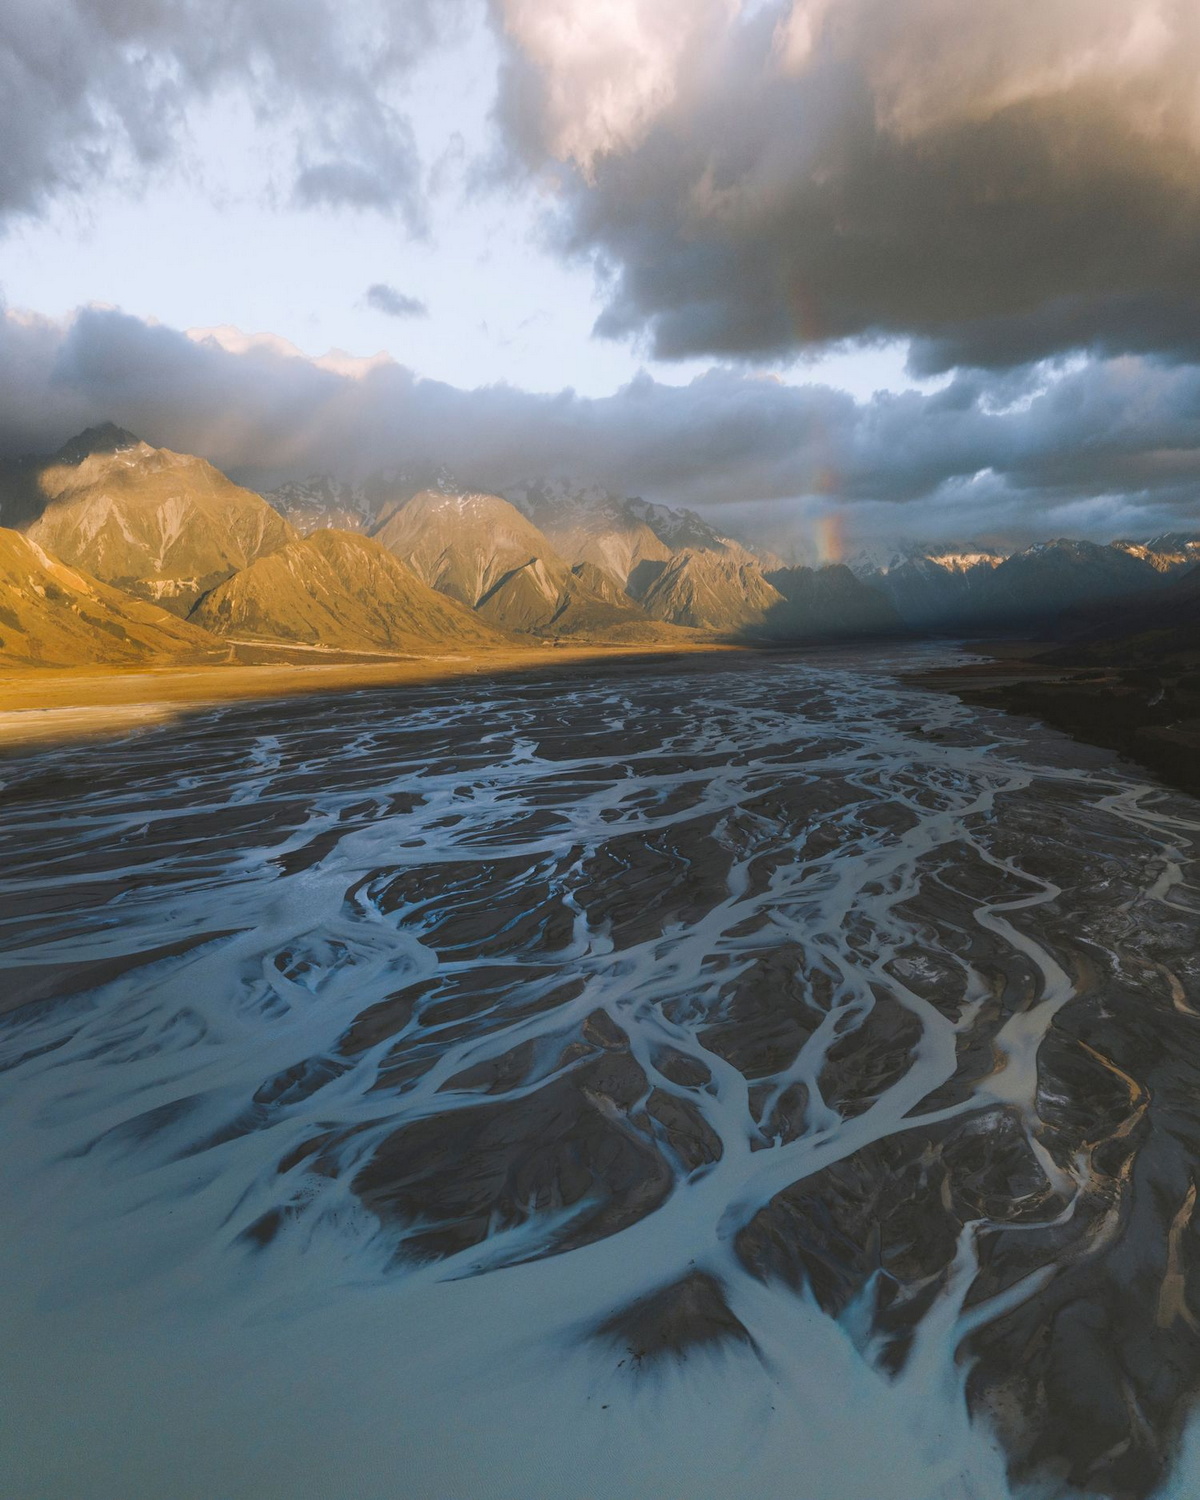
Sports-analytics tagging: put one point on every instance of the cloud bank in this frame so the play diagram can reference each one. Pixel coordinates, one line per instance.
(1096, 447)
(92, 89)
(997, 181)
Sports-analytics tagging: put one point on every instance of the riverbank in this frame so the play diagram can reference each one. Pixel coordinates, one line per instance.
(1148, 714)
(41, 707)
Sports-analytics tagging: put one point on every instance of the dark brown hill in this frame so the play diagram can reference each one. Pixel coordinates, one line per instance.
(828, 603)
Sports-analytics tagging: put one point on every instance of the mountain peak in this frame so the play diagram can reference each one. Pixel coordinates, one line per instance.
(106, 438)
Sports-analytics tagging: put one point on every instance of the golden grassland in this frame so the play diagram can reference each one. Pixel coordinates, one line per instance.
(41, 706)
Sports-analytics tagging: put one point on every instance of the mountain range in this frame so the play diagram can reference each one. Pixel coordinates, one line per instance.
(112, 551)
(964, 588)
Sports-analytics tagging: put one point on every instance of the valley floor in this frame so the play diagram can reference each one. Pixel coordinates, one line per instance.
(43, 706)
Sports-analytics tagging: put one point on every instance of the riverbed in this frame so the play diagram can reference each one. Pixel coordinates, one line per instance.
(760, 1077)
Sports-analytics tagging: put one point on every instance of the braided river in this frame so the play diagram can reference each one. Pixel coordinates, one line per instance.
(751, 1076)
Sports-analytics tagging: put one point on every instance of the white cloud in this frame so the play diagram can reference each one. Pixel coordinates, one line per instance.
(91, 89)
(610, 67)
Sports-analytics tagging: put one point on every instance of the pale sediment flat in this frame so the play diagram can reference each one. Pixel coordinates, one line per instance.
(43, 706)
(22, 728)
(738, 1075)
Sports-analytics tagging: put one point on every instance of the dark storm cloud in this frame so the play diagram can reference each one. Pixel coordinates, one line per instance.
(386, 299)
(93, 88)
(1101, 446)
(997, 180)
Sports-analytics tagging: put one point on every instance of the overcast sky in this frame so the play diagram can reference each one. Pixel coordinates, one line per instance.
(928, 264)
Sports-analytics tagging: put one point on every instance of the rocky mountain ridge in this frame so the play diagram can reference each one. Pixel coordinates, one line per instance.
(965, 589)
(321, 502)
(340, 590)
(159, 525)
(468, 569)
